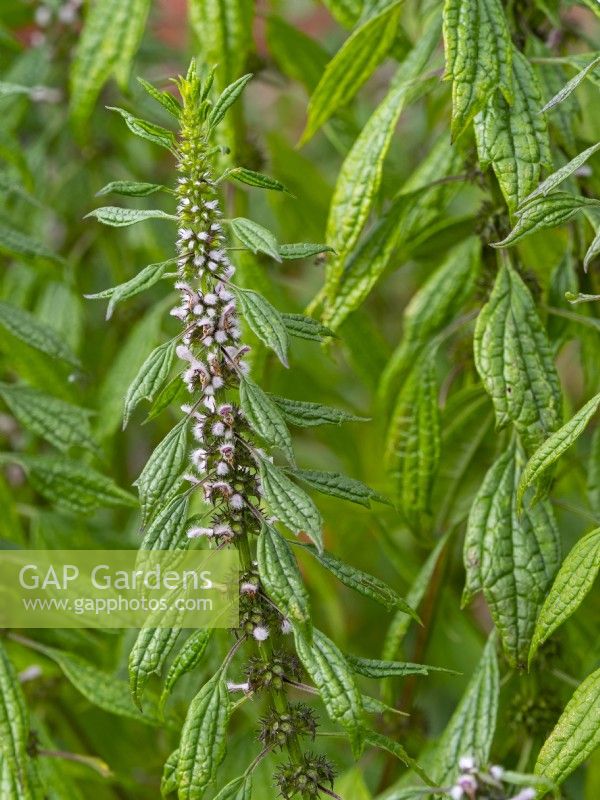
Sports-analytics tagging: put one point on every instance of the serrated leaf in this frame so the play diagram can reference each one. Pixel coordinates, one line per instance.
(203, 739)
(166, 99)
(374, 668)
(515, 362)
(147, 657)
(471, 728)
(17, 243)
(175, 391)
(413, 442)
(165, 532)
(149, 380)
(34, 333)
(546, 212)
(332, 676)
(305, 327)
(513, 139)
(118, 217)
(252, 178)
(302, 250)
(14, 727)
(265, 321)
(570, 87)
(555, 445)
(575, 578)
(107, 45)
(305, 415)
(478, 57)
(70, 484)
(168, 783)
(554, 180)
(360, 176)
(130, 188)
(383, 742)
(292, 506)
(187, 659)
(338, 485)
(62, 424)
(144, 279)
(264, 417)
(147, 130)
(510, 556)
(363, 583)
(237, 789)
(576, 734)
(431, 309)
(255, 237)
(163, 469)
(281, 579)
(354, 62)
(226, 99)
(101, 688)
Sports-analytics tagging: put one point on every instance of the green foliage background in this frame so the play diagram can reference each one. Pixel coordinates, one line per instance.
(412, 212)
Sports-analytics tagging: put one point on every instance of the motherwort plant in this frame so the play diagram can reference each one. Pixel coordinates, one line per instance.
(246, 499)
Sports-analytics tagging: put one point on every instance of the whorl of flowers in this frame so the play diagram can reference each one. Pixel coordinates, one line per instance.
(475, 783)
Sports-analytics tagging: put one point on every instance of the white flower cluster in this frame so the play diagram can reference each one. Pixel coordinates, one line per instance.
(476, 784)
(212, 353)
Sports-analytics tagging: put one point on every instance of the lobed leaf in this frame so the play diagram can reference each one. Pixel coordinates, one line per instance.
(332, 676)
(290, 504)
(281, 579)
(515, 362)
(575, 578)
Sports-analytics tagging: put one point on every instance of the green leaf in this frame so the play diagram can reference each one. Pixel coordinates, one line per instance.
(264, 417)
(256, 238)
(333, 678)
(166, 99)
(130, 188)
(306, 415)
(303, 327)
(592, 251)
(203, 738)
(363, 583)
(554, 180)
(163, 469)
(265, 321)
(120, 217)
(374, 668)
(570, 87)
(144, 279)
(110, 37)
(187, 659)
(149, 380)
(165, 532)
(101, 688)
(354, 62)
(514, 138)
(227, 98)
(14, 727)
(338, 485)
(281, 579)
(237, 789)
(69, 483)
(576, 734)
(478, 57)
(573, 582)
(168, 783)
(470, 730)
(34, 333)
(413, 441)
(252, 178)
(360, 176)
(593, 483)
(17, 243)
(147, 130)
(302, 250)
(148, 655)
(383, 742)
(62, 424)
(175, 391)
(546, 212)
(511, 557)
(552, 449)
(293, 507)
(515, 362)
(432, 308)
